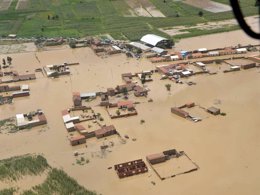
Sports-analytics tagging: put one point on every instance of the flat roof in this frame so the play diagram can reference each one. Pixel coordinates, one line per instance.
(155, 156)
(69, 125)
(140, 46)
(91, 94)
(157, 50)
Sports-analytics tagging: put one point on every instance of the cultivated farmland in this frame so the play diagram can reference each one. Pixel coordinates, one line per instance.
(122, 19)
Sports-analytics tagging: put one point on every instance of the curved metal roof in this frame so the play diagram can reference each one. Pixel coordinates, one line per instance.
(152, 39)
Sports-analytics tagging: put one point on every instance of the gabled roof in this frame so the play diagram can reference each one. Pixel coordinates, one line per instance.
(152, 39)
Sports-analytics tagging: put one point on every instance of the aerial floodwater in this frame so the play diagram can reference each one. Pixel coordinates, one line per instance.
(185, 122)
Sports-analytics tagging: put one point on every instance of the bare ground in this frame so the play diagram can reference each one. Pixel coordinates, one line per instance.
(252, 21)
(5, 4)
(208, 5)
(144, 8)
(22, 4)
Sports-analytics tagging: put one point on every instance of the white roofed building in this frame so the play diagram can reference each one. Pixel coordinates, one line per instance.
(157, 41)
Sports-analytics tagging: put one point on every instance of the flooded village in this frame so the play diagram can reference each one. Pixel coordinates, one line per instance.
(118, 104)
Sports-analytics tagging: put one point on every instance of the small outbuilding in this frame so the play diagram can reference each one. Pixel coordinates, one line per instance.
(156, 158)
(77, 140)
(213, 110)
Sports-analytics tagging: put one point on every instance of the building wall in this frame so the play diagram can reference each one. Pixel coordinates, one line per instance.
(77, 142)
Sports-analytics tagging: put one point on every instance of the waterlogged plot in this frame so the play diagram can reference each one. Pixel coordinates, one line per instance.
(5, 4)
(171, 163)
(144, 8)
(208, 5)
(22, 4)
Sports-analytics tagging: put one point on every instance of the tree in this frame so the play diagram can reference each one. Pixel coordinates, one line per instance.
(124, 91)
(143, 78)
(200, 13)
(168, 87)
(72, 44)
(118, 112)
(9, 60)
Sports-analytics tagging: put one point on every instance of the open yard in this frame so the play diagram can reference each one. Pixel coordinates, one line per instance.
(208, 5)
(54, 18)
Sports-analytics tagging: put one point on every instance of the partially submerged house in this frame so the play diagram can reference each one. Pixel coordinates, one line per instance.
(76, 99)
(31, 119)
(129, 105)
(56, 70)
(213, 110)
(178, 111)
(156, 158)
(130, 168)
(77, 140)
(105, 131)
(140, 91)
(170, 163)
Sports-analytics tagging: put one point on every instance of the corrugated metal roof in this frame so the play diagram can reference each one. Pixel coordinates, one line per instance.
(152, 39)
(157, 50)
(86, 95)
(140, 46)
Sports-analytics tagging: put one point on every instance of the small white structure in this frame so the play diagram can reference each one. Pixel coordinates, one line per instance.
(235, 67)
(203, 50)
(213, 53)
(241, 50)
(25, 88)
(67, 118)
(116, 48)
(200, 64)
(20, 121)
(12, 36)
(91, 95)
(70, 126)
(186, 73)
(175, 57)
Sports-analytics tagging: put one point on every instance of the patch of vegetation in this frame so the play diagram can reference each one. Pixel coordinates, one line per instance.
(58, 183)
(168, 87)
(8, 125)
(198, 32)
(16, 167)
(9, 191)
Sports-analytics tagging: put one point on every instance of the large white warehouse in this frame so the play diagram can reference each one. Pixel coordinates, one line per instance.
(157, 41)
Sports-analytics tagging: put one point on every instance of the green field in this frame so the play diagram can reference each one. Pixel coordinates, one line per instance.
(77, 18)
(56, 183)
